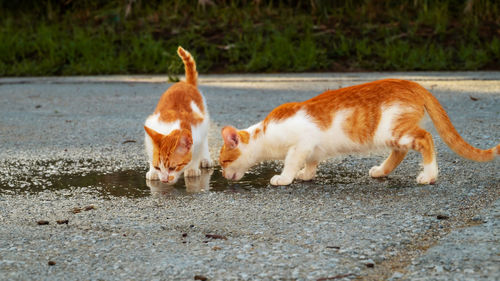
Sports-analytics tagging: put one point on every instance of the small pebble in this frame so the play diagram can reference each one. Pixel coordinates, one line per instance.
(216, 236)
(88, 208)
(340, 276)
(442, 217)
(369, 263)
(478, 219)
(397, 275)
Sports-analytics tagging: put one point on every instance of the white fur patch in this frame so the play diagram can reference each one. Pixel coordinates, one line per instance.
(200, 136)
(431, 168)
(148, 142)
(301, 130)
(196, 109)
(429, 174)
(383, 132)
(336, 141)
(153, 122)
(254, 127)
(296, 130)
(405, 140)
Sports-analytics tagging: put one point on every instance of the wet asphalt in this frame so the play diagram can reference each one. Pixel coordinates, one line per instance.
(74, 203)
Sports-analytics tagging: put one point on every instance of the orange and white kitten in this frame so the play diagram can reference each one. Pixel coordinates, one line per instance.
(357, 119)
(176, 136)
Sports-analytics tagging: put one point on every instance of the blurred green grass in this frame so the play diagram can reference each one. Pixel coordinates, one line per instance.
(44, 38)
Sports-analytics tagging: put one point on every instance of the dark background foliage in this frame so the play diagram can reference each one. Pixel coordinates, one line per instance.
(71, 37)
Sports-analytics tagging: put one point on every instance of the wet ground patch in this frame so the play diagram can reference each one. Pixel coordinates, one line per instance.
(132, 183)
(66, 175)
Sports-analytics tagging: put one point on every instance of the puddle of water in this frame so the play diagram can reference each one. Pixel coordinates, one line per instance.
(132, 183)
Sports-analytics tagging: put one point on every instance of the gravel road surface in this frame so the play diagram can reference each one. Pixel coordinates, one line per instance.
(74, 204)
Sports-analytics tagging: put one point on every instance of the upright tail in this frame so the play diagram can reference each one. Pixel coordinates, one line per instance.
(450, 136)
(189, 66)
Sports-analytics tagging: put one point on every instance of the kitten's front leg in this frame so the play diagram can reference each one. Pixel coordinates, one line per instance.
(152, 174)
(193, 168)
(294, 160)
(206, 162)
(192, 172)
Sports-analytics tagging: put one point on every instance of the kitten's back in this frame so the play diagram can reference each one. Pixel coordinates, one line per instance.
(365, 99)
(182, 101)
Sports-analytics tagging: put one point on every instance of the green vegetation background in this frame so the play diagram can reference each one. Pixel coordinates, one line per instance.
(72, 37)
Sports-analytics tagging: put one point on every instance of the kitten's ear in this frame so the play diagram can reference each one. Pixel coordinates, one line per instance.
(230, 136)
(155, 136)
(185, 142)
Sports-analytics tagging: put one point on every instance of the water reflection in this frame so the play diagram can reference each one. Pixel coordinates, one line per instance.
(192, 184)
(133, 183)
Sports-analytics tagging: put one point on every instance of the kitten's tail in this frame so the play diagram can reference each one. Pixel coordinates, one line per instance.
(450, 136)
(189, 66)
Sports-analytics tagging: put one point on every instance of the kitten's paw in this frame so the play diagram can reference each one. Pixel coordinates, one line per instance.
(192, 173)
(206, 163)
(377, 172)
(152, 175)
(280, 180)
(426, 178)
(305, 176)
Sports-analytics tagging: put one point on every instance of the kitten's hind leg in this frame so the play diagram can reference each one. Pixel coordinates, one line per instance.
(308, 172)
(424, 144)
(206, 162)
(389, 164)
(294, 160)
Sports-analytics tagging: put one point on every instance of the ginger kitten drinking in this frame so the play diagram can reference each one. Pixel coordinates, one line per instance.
(357, 119)
(176, 137)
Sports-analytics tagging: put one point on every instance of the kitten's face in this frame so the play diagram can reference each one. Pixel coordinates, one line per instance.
(171, 153)
(234, 154)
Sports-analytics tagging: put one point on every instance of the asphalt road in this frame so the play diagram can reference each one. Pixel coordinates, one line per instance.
(71, 150)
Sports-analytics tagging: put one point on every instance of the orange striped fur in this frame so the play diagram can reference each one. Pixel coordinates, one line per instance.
(189, 66)
(361, 118)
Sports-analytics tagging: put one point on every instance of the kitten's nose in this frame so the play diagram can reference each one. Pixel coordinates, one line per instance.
(168, 179)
